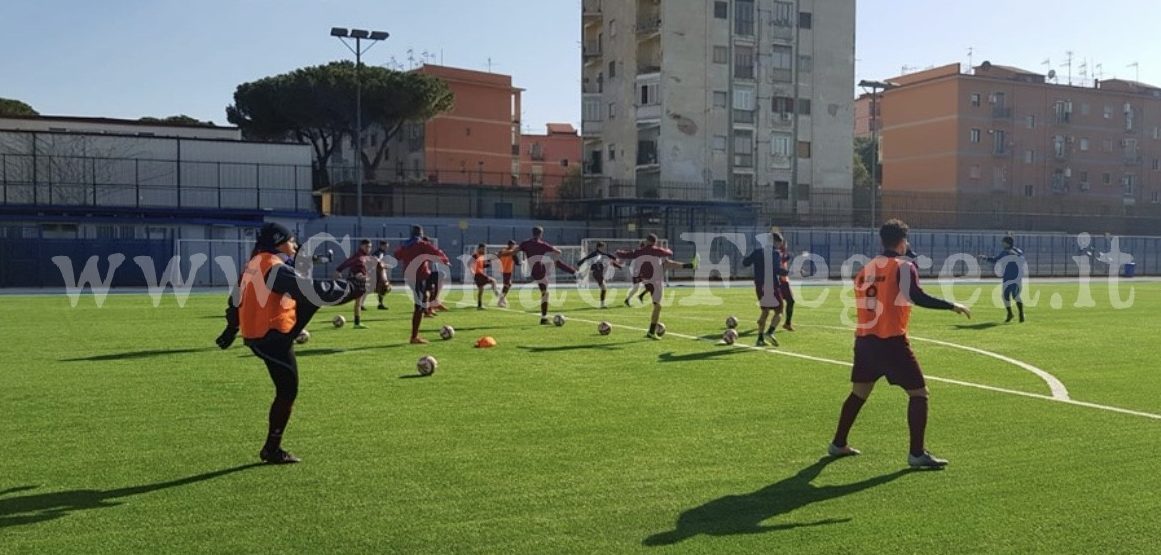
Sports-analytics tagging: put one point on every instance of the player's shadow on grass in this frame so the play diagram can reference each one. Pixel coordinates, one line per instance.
(130, 355)
(583, 347)
(40, 507)
(721, 351)
(744, 514)
(977, 326)
(339, 351)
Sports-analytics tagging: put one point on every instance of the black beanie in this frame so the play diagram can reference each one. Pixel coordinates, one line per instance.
(271, 235)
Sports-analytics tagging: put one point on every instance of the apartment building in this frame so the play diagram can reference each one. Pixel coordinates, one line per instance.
(548, 159)
(739, 100)
(1001, 139)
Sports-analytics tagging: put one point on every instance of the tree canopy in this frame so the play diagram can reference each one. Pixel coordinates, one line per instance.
(12, 107)
(316, 105)
(180, 119)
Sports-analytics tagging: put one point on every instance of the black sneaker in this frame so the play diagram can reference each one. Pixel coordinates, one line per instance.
(544, 321)
(382, 307)
(277, 456)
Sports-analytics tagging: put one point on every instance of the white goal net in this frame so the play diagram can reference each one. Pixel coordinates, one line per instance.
(625, 274)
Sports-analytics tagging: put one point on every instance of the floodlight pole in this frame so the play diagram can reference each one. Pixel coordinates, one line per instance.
(374, 37)
(876, 94)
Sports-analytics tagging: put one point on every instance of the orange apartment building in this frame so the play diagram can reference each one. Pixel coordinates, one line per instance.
(476, 143)
(547, 160)
(864, 122)
(1004, 147)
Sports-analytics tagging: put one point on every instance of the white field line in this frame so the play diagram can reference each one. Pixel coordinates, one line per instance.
(780, 352)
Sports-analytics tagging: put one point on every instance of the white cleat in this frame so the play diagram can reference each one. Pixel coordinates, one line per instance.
(844, 451)
(926, 460)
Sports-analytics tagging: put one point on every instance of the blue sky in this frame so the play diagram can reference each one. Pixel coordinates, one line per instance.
(132, 58)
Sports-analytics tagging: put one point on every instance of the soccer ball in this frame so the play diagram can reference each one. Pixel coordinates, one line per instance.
(604, 328)
(559, 320)
(303, 337)
(426, 365)
(731, 322)
(447, 332)
(339, 321)
(729, 337)
(660, 329)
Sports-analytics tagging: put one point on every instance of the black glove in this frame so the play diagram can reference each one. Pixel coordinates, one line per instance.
(227, 338)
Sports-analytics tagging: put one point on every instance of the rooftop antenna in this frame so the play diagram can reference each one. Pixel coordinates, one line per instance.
(1084, 73)
(410, 59)
(490, 64)
(1100, 72)
(971, 56)
(1136, 66)
(1068, 63)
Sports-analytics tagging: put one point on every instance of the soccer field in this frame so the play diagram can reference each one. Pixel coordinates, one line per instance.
(126, 430)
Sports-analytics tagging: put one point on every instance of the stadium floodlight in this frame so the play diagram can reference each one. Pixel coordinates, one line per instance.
(373, 37)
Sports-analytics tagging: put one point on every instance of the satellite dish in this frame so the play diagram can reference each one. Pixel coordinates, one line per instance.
(1052, 74)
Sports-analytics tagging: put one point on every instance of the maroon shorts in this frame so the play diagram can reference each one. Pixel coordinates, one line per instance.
(876, 357)
(784, 289)
(769, 297)
(482, 279)
(508, 279)
(539, 272)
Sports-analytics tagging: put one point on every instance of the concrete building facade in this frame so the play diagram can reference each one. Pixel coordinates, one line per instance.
(547, 160)
(721, 100)
(1005, 140)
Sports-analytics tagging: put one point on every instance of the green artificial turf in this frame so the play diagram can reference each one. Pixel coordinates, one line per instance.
(125, 430)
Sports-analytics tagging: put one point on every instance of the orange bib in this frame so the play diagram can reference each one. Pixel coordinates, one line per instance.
(882, 308)
(261, 309)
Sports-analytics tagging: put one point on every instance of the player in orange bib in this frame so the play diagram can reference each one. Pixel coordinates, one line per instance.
(885, 289)
(507, 256)
(480, 265)
(275, 304)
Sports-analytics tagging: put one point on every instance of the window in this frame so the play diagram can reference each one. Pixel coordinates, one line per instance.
(1029, 156)
(722, 10)
(612, 152)
(1129, 185)
(564, 163)
(974, 171)
(780, 145)
(744, 62)
(1107, 178)
(743, 187)
(804, 106)
(975, 100)
(1029, 190)
(805, 20)
(744, 97)
(803, 192)
(1084, 108)
(721, 99)
(648, 93)
(744, 149)
(744, 17)
(782, 190)
(783, 105)
(1129, 115)
(783, 58)
(1156, 164)
(975, 135)
(805, 64)
(721, 55)
(719, 142)
(1084, 176)
(591, 109)
(1108, 112)
(1083, 144)
(999, 142)
(612, 70)
(783, 16)
(999, 176)
(612, 29)
(804, 150)
(1156, 197)
(1156, 133)
(612, 110)
(1032, 121)
(1058, 146)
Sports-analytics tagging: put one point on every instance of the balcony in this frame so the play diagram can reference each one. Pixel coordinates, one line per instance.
(592, 51)
(1132, 159)
(648, 27)
(783, 120)
(592, 129)
(591, 9)
(648, 67)
(648, 113)
(1001, 112)
(782, 32)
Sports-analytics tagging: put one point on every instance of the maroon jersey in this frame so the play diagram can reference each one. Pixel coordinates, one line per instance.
(354, 265)
(410, 251)
(650, 260)
(536, 249)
